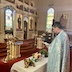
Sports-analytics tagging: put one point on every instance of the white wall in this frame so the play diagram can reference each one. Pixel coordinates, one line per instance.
(59, 6)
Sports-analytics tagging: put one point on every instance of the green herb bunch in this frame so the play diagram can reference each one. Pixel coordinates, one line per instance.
(44, 52)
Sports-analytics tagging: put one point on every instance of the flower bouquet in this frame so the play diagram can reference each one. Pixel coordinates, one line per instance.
(29, 62)
(36, 56)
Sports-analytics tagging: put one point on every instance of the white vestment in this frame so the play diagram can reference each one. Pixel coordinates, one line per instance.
(59, 54)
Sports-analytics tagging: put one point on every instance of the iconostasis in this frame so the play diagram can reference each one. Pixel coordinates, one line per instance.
(13, 18)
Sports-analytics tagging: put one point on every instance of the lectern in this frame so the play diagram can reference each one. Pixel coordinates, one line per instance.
(15, 49)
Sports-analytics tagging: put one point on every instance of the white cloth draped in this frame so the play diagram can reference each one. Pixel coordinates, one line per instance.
(41, 66)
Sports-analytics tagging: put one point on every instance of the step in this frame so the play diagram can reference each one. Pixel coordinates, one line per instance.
(28, 47)
(3, 54)
(26, 51)
(3, 50)
(2, 45)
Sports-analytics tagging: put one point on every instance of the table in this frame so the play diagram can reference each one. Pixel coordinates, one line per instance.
(41, 66)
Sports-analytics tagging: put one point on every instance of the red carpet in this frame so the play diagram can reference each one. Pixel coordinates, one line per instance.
(5, 67)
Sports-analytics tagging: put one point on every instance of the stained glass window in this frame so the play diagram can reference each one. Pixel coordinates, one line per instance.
(50, 17)
(8, 19)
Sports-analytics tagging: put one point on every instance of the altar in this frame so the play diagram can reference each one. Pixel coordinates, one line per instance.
(41, 66)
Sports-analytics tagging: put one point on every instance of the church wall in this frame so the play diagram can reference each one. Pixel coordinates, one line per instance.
(60, 6)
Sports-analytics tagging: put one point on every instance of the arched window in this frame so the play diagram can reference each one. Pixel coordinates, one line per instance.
(8, 19)
(50, 17)
(9, 13)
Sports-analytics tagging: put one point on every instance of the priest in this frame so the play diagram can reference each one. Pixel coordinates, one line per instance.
(59, 51)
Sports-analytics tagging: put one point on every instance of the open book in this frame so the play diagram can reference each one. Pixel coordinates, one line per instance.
(47, 44)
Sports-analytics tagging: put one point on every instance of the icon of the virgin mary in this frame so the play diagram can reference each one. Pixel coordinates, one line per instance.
(63, 20)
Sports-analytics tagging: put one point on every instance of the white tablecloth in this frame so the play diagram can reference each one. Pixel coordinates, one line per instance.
(41, 66)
